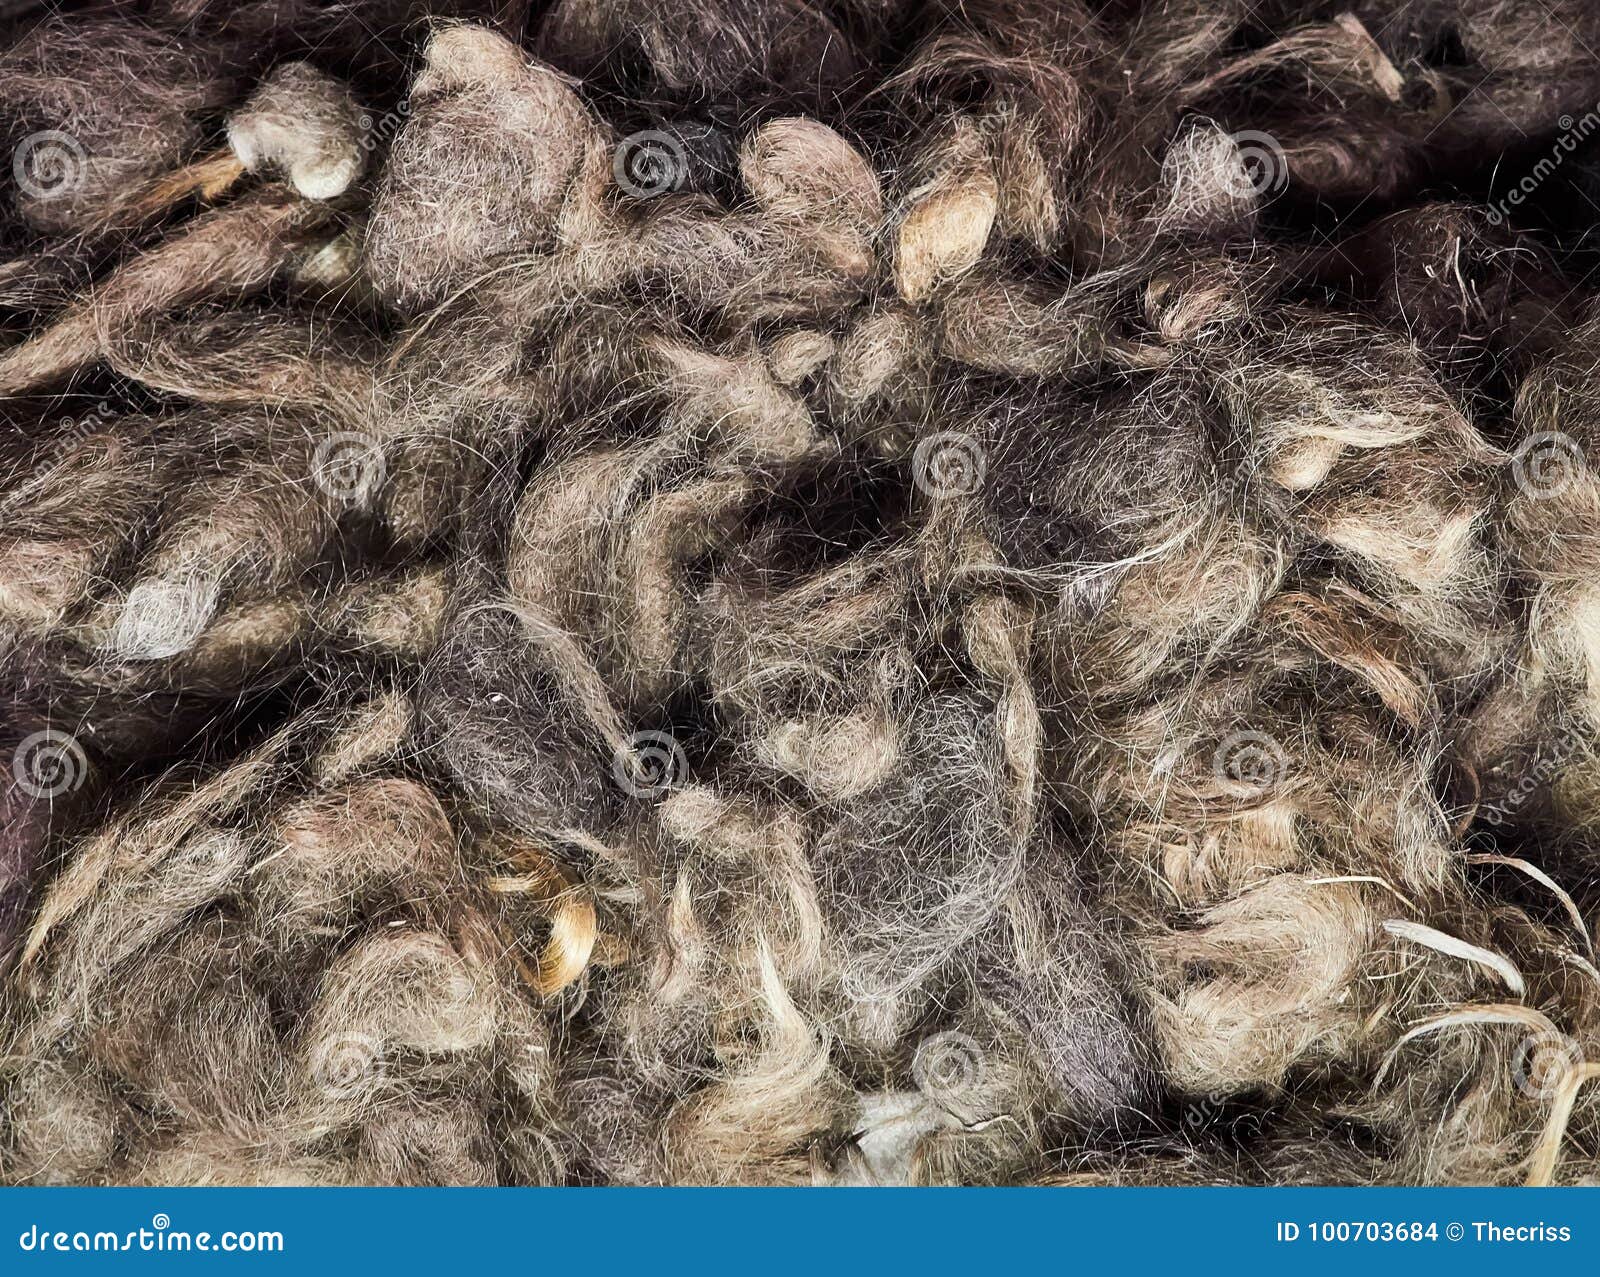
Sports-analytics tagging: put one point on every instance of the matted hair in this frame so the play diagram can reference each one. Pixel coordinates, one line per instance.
(781, 591)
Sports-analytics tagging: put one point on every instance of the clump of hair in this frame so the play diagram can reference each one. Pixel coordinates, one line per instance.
(780, 593)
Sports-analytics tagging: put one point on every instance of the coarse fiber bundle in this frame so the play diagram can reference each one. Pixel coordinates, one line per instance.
(799, 592)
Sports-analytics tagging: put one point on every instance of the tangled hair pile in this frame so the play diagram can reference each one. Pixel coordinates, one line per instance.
(799, 592)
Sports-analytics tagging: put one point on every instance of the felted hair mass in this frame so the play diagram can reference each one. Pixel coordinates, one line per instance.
(799, 592)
